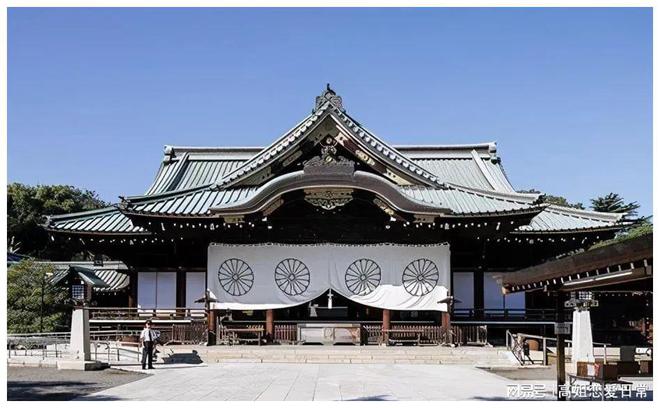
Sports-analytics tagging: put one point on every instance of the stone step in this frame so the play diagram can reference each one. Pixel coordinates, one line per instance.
(330, 355)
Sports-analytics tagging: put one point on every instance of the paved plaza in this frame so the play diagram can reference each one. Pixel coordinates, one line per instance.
(50, 384)
(307, 382)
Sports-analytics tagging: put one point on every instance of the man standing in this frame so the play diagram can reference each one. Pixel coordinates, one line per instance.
(147, 337)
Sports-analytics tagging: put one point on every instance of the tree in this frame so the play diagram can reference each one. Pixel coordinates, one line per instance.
(613, 202)
(33, 303)
(26, 208)
(552, 199)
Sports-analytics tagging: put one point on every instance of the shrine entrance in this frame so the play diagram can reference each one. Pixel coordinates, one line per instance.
(328, 293)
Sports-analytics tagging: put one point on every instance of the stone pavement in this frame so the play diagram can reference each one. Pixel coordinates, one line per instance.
(307, 382)
(50, 384)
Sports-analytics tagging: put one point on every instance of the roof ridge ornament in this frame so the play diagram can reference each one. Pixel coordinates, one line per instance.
(329, 162)
(329, 95)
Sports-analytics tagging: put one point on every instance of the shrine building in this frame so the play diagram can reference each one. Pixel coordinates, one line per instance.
(328, 226)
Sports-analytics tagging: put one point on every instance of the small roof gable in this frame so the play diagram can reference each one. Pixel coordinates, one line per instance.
(86, 275)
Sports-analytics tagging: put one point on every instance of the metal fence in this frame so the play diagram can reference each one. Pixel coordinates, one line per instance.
(38, 344)
(515, 342)
(107, 345)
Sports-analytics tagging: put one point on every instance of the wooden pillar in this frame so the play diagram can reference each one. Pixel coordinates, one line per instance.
(561, 359)
(211, 319)
(445, 324)
(386, 325)
(478, 294)
(445, 320)
(180, 292)
(270, 325)
(133, 289)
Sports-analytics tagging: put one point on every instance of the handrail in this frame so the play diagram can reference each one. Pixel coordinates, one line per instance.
(110, 314)
(513, 345)
(537, 337)
(539, 314)
(146, 309)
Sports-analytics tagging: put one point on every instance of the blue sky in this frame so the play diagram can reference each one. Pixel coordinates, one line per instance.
(94, 94)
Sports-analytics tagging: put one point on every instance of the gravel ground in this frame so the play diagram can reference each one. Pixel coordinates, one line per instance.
(50, 384)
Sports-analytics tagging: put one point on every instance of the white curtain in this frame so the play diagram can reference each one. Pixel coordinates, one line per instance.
(271, 276)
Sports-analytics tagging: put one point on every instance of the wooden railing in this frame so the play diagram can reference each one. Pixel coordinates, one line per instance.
(529, 314)
(430, 334)
(224, 335)
(285, 333)
(134, 313)
(194, 333)
(372, 333)
(471, 335)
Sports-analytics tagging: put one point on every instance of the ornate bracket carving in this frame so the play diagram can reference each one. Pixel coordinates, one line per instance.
(329, 199)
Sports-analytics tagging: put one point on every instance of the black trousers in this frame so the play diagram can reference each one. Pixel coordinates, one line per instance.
(147, 353)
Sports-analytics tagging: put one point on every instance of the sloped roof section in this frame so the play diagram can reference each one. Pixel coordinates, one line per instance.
(110, 277)
(192, 169)
(564, 219)
(463, 179)
(465, 201)
(459, 200)
(186, 167)
(104, 221)
(366, 140)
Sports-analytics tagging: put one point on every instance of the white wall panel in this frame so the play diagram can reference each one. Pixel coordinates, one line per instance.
(195, 287)
(493, 297)
(463, 289)
(515, 300)
(147, 290)
(166, 290)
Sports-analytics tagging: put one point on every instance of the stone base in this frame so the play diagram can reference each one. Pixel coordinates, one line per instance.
(81, 365)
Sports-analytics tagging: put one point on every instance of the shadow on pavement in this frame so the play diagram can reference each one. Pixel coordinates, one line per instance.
(49, 390)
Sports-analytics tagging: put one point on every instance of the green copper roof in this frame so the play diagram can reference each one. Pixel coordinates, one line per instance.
(563, 219)
(104, 221)
(466, 180)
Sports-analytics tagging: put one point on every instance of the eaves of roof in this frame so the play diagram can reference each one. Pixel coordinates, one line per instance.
(558, 219)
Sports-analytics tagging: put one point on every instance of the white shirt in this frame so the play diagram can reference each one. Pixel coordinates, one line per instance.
(147, 335)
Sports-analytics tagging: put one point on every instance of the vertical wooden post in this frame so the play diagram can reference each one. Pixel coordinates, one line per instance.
(445, 322)
(478, 286)
(211, 320)
(180, 292)
(561, 359)
(386, 325)
(270, 325)
(132, 290)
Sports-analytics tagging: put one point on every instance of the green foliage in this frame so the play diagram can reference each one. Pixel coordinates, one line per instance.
(638, 230)
(26, 208)
(26, 281)
(613, 202)
(552, 199)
